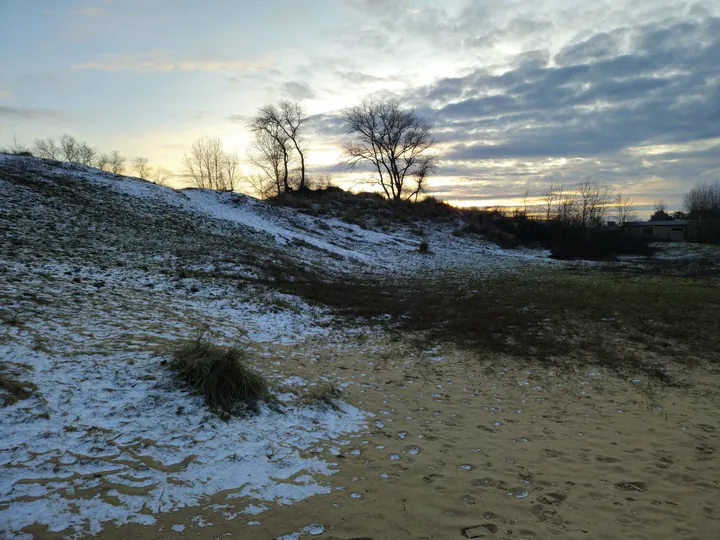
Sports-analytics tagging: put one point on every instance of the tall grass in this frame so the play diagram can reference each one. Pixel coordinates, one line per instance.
(220, 375)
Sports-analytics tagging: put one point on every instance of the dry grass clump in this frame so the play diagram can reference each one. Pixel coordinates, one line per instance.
(14, 390)
(221, 376)
(322, 394)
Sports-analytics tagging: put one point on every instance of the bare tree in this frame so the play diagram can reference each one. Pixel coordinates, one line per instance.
(102, 162)
(395, 142)
(593, 201)
(624, 209)
(271, 144)
(162, 176)
(47, 149)
(85, 154)
(262, 186)
(141, 168)
(284, 124)
(69, 148)
(703, 201)
(116, 163)
(567, 208)
(270, 157)
(207, 165)
(16, 147)
(231, 165)
(524, 211)
(550, 200)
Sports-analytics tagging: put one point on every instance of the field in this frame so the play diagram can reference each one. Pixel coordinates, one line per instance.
(475, 391)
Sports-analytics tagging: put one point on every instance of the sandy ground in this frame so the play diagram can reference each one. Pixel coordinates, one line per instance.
(470, 447)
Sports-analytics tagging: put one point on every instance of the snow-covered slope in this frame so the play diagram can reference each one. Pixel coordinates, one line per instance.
(328, 239)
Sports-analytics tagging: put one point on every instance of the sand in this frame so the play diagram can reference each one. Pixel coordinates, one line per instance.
(464, 446)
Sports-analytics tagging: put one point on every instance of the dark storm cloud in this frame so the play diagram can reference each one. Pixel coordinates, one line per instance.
(577, 113)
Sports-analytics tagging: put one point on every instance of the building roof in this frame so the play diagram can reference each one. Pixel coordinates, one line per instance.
(668, 223)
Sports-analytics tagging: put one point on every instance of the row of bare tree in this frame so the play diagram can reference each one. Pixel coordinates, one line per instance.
(588, 205)
(68, 148)
(393, 143)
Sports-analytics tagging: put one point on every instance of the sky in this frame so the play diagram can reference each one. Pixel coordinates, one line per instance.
(522, 94)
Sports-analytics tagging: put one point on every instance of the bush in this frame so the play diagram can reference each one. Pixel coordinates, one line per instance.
(599, 245)
(221, 376)
(424, 247)
(365, 206)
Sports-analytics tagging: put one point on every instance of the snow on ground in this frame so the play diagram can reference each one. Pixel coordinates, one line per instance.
(107, 426)
(100, 276)
(329, 241)
(685, 251)
(108, 436)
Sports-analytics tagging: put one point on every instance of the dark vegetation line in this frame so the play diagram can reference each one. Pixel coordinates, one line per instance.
(587, 316)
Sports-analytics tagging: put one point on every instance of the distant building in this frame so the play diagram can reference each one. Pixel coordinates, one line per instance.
(676, 230)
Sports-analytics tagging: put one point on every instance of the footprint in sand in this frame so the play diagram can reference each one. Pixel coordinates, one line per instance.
(552, 498)
(631, 486)
(551, 453)
(607, 459)
(484, 482)
(429, 479)
(479, 531)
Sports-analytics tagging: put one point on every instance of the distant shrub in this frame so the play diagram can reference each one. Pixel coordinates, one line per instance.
(220, 375)
(597, 245)
(365, 207)
(424, 247)
(510, 230)
(503, 238)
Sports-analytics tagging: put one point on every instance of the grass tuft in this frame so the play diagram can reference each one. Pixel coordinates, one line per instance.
(221, 376)
(322, 394)
(13, 389)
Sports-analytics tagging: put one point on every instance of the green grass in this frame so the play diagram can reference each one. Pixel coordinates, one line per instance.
(221, 376)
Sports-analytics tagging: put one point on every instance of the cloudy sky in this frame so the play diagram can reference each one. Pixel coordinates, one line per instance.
(522, 93)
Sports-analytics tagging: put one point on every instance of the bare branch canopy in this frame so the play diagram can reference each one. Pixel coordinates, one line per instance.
(395, 142)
